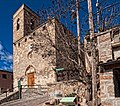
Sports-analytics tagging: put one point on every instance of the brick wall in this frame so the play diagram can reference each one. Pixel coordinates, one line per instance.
(6, 80)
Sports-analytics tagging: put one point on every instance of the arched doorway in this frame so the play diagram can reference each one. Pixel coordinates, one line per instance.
(30, 73)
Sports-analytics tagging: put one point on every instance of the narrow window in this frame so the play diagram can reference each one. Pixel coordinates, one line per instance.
(32, 24)
(4, 76)
(18, 24)
(18, 44)
(43, 28)
(116, 78)
(25, 39)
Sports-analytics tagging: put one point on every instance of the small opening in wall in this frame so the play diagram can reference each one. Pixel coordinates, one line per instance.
(25, 39)
(4, 76)
(14, 44)
(32, 24)
(65, 30)
(18, 24)
(34, 33)
(30, 37)
(43, 28)
(118, 58)
(18, 44)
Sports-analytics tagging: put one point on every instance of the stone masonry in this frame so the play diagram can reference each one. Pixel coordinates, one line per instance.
(35, 48)
(108, 46)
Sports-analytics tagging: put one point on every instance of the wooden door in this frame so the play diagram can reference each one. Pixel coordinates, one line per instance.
(31, 80)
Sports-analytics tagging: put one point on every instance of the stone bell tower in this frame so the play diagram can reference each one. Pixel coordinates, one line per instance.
(24, 22)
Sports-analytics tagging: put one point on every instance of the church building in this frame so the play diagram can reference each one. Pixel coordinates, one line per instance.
(38, 49)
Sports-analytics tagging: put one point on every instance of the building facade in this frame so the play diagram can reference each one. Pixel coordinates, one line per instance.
(6, 81)
(39, 49)
(108, 67)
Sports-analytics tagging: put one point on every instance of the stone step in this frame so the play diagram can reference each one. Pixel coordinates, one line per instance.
(32, 92)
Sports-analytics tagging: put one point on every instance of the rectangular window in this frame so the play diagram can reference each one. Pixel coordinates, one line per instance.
(4, 76)
(116, 79)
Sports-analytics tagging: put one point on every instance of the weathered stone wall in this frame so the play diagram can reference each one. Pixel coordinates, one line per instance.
(28, 60)
(20, 33)
(106, 85)
(36, 52)
(66, 88)
(31, 21)
(25, 15)
(66, 44)
(111, 102)
(106, 78)
(107, 51)
(104, 46)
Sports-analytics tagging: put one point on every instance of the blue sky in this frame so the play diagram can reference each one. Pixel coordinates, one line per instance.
(9, 7)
